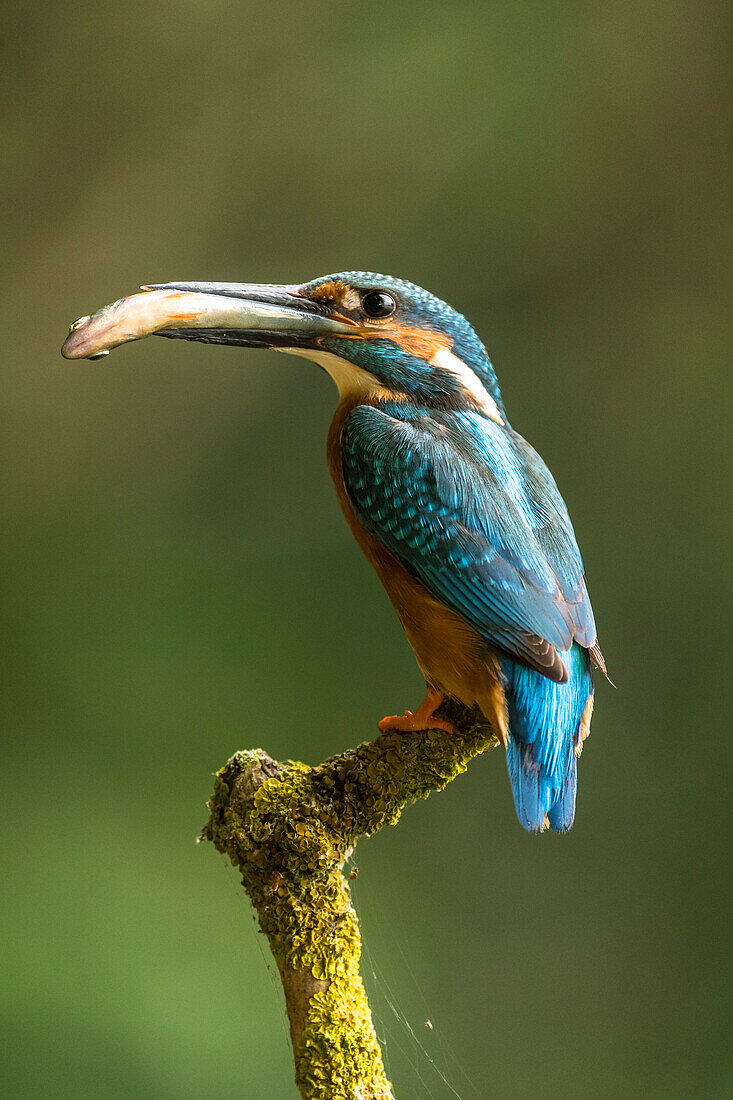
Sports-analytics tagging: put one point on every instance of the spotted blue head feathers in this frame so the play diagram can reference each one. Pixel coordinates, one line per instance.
(413, 343)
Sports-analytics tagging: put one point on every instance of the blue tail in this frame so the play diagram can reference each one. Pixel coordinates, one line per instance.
(544, 729)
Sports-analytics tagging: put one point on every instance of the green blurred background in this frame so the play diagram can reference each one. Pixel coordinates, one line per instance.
(179, 583)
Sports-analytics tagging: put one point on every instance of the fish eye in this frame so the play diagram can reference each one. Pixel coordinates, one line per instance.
(378, 303)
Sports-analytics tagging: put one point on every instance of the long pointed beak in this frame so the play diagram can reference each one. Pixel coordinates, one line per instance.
(249, 314)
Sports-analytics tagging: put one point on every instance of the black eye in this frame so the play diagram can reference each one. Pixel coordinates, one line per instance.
(378, 303)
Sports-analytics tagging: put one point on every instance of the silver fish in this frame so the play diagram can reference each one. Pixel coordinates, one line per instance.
(151, 311)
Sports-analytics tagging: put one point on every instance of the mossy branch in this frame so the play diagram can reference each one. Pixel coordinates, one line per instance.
(289, 829)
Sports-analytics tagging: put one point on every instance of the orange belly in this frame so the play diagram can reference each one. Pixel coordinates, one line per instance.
(450, 653)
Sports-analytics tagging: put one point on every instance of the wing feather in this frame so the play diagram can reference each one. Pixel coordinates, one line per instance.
(471, 510)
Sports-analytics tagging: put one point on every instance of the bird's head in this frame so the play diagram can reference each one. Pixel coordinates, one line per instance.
(404, 340)
(372, 333)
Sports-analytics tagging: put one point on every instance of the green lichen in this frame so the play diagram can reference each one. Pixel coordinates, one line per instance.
(289, 828)
(339, 1056)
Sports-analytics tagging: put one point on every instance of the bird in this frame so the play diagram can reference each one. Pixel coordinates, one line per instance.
(458, 515)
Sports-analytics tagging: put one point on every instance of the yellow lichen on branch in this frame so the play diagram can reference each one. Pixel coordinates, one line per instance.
(289, 828)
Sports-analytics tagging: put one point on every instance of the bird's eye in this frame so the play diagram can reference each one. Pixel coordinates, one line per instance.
(377, 303)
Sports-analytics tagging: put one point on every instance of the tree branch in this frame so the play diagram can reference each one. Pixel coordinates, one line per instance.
(289, 828)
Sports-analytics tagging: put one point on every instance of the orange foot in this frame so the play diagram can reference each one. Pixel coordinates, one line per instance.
(422, 719)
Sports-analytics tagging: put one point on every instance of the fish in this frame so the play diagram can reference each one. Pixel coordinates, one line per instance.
(153, 310)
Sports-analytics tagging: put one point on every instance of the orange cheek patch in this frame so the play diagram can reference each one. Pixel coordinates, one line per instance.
(421, 342)
(424, 343)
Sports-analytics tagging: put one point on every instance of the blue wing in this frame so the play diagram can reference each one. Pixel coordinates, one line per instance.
(472, 511)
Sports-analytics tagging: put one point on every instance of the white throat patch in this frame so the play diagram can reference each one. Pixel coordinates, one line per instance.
(351, 380)
(446, 360)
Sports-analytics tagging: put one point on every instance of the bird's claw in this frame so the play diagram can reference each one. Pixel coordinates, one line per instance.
(421, 719)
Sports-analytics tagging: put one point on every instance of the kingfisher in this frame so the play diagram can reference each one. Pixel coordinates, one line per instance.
(458, 515)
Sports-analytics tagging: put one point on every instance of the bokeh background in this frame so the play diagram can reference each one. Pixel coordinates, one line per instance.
(178, 581)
